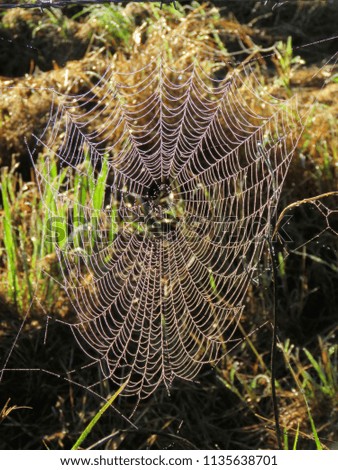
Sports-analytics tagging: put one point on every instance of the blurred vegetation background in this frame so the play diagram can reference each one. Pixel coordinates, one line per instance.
(229, 406)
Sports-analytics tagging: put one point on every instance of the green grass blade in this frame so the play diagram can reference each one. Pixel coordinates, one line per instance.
(76, 210)
(302, 390)
(285, 439)
(61, 212)
(96, 418)
(100, 186)
(9, 240)
(212, 283)
(295, 442)
(314, 430)
(98, 195)
(317, 367)
(25, 263)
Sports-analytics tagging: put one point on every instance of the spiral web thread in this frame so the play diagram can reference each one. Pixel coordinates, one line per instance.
(164, 185)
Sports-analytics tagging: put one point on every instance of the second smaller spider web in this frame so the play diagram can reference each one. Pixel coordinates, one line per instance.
(161, 186)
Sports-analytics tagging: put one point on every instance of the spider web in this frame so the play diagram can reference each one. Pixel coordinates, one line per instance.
(165, 184)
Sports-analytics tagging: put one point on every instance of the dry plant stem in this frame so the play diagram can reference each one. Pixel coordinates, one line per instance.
(274, 346)
(7, 410)
(299, 203)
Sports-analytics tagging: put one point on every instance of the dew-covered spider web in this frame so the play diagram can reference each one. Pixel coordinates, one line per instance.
(164, 185)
